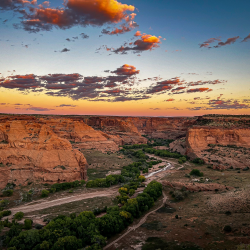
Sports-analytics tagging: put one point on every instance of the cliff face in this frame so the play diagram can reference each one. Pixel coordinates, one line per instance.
(134, 127)
(219, 146)
(81, 135)
(30, 151)
(122, 131)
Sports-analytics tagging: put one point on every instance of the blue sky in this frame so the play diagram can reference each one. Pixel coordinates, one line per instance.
(184, 24)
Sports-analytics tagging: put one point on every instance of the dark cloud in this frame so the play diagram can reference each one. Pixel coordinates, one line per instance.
(66, 105)
(199, 90)
(163, 86)
(84, 36)
(247, 38)
(228, 42)
(64, 50)
(21, 82)
(39, 109)
(207, 43)
(125, 27)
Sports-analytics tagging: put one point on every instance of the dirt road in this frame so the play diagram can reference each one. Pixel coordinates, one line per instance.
(57, 202)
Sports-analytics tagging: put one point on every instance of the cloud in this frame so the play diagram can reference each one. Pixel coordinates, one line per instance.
(138, 33)
(228, 42)
(222, 104)
(125, 27)
(127, 70)
(146, 42)
(39, 109)
(169, 100)
(178, 89)
(20, 82)
(66, 105)
(229, 104)
(64, 50)
(84, 36)
(199, 90)
(163, 86)
(246, 38)
(155, 108)
(74, 13)
(208, 42)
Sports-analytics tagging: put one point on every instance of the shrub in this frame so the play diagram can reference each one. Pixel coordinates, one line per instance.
(28, 224)
(228, 213)
(8, 192)
(227, 228)
(198, 161)
(19, 215)
(4, 203)
(45, 193)
(196, 172)
(141, 178)
(6, 213)
(131, 192)
(182, 160)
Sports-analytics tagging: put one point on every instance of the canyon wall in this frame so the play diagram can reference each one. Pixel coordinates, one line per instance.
(30, 151)
(165, 128)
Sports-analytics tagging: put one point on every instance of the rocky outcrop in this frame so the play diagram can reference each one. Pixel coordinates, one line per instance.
(83, 136)
(122, 131)
(134, 127)
(179, 146)
(221, 147)
(32, 152)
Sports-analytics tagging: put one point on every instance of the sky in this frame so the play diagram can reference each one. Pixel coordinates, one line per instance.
(125, 58)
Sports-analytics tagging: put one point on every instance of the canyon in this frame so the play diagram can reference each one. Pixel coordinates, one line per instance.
(47, 148)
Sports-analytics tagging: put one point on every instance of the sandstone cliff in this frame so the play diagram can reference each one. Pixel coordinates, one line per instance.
(219, 146)
(30, 151)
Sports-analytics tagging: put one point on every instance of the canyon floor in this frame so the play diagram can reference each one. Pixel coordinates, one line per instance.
(193, 210)
(202, 215)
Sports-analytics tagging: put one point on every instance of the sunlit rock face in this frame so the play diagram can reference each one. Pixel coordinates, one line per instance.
(31, 152)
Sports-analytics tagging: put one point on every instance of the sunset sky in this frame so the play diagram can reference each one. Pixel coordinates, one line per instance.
(127, 57)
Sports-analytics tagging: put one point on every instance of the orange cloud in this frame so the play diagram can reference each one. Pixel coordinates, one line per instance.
(138, 33)
(199, 90)
(147, 42)
(127, 70)
(77, 12)
(169, 100)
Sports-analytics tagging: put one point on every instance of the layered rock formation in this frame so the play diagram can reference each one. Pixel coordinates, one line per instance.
(81, 135)
(134, 127)
(122, 131)
(30, 151)
(219, 146)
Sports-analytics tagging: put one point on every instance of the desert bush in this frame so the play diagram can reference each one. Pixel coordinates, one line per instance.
(28, 224)
(196, 172)
(182, 160)
(18, 215)
(8, 192)
(198, 161)
(5, 213)
(45, 193)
